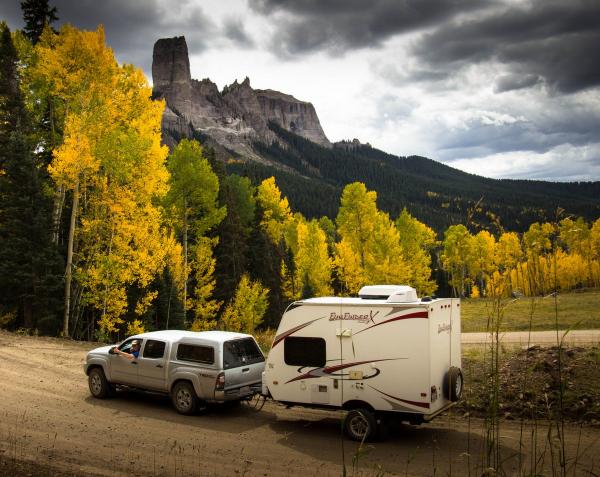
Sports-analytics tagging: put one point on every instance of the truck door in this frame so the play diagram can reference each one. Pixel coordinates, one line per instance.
(152, 366)
(123, 370)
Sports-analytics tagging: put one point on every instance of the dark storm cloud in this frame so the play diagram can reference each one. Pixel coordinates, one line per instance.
(133, 26)
(556, 42)
(234, 30)
(340, 25)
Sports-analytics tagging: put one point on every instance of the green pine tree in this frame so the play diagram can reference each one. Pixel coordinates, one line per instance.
(37, 14)
(29, 264)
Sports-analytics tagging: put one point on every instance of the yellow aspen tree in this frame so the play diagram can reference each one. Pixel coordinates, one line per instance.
(109, 112)
(205, 308)
(576, 236)
(481, 259)
(508, 256)
(417, 241)
(348, 269)
(536, 244)
(357, 217)
(455, 256)
(276, 210)
(313, 264)
(246, 310)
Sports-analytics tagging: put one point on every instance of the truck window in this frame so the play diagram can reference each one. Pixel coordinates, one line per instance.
(241, 353)
(154, 349)
(301, 351)
(196, 353)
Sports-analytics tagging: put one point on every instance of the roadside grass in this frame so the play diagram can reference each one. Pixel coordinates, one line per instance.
(530, 385)
(577, 311)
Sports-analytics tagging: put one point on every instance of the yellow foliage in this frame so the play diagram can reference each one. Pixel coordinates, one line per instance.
(313, 264)
(112, 153)
(205, 307)
(247, 308)
(136, 327)
(347, 266)
(276, 210)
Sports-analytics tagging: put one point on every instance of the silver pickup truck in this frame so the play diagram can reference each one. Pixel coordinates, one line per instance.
(195, 368)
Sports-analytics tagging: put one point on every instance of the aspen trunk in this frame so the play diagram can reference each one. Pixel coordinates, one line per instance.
(68, 271)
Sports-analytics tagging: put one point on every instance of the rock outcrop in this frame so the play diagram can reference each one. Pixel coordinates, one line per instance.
(235, 118)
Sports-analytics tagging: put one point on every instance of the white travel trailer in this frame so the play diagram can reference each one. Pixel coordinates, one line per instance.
(384, 355)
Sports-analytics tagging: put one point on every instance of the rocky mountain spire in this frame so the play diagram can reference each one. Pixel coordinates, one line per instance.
(235, 118)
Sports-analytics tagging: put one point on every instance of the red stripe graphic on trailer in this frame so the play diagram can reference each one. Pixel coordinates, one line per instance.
(285, 334)
(408, 316)
(328, 371)
(412, 403)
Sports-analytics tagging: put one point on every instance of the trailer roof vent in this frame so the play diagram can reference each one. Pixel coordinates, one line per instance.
(389, 293)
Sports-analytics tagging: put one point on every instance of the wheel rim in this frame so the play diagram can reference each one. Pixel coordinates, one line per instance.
(96, 383)
(458, 387)
(359, 425)
(184, 399)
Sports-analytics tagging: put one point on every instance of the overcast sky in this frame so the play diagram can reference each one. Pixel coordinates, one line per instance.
(500, 88)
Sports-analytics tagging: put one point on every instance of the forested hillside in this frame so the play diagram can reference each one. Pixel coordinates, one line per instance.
(105, 232)
(435, 193)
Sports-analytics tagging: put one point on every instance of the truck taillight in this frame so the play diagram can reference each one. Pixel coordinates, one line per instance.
(220, 384)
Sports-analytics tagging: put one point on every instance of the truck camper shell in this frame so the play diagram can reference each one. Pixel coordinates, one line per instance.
(384, 354)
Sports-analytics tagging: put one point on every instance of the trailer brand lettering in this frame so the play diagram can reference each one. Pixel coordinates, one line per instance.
(444, 327)
(364, 318)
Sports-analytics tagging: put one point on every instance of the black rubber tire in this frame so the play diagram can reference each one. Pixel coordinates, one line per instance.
(453, 384)
(184, 398)
(99, 386)
(360, 425)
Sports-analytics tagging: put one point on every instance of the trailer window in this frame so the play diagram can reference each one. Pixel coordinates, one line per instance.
(241, 353)
(196, 353)
(301, 351)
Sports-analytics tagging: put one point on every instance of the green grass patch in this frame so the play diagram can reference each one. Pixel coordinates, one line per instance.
(579, 311)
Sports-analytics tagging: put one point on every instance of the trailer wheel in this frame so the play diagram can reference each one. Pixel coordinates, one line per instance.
(360, 424)
(453, 384)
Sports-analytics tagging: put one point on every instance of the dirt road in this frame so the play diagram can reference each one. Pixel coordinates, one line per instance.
(49, 425)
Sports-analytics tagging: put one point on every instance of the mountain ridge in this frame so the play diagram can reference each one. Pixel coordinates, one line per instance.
(266, 132)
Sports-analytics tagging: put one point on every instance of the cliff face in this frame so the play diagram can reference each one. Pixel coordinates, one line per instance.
(234, 118)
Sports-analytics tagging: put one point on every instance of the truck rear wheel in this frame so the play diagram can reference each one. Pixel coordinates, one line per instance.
(453, 385)
(184, 398)
(360, 425)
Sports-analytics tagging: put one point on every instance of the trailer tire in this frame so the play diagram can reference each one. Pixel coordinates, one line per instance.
(360, 425)
(453, 384)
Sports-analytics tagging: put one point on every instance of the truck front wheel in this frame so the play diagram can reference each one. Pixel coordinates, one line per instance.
(360, 424)
(99, 385)
(184, 398)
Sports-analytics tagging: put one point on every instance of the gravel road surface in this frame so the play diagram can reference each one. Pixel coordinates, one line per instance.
(50, 425)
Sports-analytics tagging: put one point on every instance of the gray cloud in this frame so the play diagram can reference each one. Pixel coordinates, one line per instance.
(131, 26)
(514, 81)
(337, 26)
(554, 41)
(234, 29)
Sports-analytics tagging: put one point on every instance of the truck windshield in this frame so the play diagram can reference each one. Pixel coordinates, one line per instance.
(241, 353)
